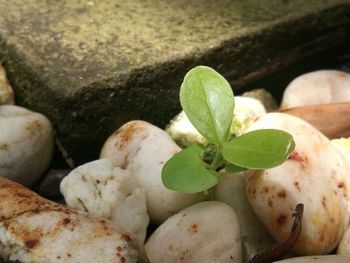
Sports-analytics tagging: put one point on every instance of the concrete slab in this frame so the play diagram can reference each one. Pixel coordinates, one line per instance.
(92, 65)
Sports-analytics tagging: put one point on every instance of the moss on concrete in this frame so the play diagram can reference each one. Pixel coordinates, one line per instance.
(92, 65)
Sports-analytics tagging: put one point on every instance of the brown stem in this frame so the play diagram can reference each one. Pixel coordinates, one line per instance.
(279, 250)
(69, 161)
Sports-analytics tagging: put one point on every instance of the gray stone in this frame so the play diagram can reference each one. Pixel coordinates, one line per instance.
(50, 186)
(90, 66)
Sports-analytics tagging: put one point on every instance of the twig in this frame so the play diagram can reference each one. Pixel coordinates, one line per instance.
(65, 155)
(279, 250)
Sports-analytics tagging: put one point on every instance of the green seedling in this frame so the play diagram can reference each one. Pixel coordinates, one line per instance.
(208, 101)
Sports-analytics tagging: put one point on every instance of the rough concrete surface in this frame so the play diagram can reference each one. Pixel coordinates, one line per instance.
(90, 66)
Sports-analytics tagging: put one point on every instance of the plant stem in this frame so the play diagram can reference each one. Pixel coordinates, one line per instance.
(211, 193)
(217, 158)
(217, 162)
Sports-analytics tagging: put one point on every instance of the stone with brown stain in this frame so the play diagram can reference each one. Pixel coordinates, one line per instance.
(59, 232)
(281, 220)
(296, 184)
(314, 179)
(270, 203)
(282, 194)
(126, 133)
(142, 149)
(31, 243)
(125, 237)
(324, 204)
(265, 189)
(66, 221)
(33, 127)
(342, 185)
(209, 233)
(193, 228)
(298, 157)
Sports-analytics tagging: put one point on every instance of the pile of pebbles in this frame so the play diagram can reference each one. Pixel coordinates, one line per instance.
(251, 209)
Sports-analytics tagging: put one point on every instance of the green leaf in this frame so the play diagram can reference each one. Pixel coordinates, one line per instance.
(231, 168)
(186, 172)
(207, 99)
(259, 149)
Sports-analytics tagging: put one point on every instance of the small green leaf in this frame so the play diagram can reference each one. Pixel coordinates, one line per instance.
(231, 168)
(186, 172)
(207, 99)
(259, 149)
